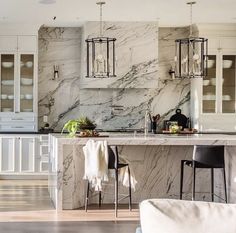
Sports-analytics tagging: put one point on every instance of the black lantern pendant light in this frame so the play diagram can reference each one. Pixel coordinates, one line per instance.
(191, 55)
(100, 54)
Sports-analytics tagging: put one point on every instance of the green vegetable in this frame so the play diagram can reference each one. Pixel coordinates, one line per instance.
(72, 126)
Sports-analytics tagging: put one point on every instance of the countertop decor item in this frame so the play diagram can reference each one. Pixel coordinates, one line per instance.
(191, 54)
(180, 118)
(83, 123)
(100, 53)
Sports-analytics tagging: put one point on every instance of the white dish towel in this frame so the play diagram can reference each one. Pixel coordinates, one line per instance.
(124, 175)
(96, 163)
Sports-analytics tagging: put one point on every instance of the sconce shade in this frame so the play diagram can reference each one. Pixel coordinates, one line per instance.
(100, 57)
(191, 57)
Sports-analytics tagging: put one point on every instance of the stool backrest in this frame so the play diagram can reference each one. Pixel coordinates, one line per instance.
(210, 156)
(113, 157)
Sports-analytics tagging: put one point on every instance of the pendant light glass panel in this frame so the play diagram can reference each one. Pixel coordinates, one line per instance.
(191, 57)
(101, 57)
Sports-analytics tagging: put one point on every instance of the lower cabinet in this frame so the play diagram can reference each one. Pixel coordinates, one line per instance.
(24, 154)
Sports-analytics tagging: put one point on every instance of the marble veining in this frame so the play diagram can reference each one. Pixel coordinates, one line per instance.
(143, 47)
(155, 161)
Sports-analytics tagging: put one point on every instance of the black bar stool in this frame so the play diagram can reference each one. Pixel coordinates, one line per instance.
(113, 164)
(205, 157)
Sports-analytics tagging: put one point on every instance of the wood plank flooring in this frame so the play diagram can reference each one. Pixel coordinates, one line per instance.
(28, 201)
(69, 227)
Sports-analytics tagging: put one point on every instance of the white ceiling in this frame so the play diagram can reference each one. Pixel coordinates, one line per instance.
(73, 12)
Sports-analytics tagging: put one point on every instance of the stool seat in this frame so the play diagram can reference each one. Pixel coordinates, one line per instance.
(211, 157)
(199, 165)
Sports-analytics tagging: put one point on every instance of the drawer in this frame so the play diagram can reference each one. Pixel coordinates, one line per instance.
(17, 119)
(43, 138)
(17, 127)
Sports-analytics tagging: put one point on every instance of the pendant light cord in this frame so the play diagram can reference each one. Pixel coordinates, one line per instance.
(101, 22)
(191, 17)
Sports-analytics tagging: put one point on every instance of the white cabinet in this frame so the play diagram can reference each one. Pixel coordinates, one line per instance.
(7, 154)
(27, 154)
(18, 88)
(24, 154)
(213, 100)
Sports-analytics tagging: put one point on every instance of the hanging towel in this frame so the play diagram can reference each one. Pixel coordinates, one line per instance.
(96, 163)
(124, 175)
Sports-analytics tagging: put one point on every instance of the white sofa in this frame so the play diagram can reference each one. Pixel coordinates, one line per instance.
(176, 216)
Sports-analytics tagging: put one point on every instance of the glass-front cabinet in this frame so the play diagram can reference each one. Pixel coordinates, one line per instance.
(228, 83)
(18, 77)
(26, 82)
(209, 87)
(218, 88)
(17, 87)
(213, 98)
(8, 82)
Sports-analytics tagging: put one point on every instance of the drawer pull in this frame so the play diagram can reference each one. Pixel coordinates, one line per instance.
(17, 127)
(17, 119)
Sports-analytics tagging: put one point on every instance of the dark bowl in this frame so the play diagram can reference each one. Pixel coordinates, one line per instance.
(88, 127)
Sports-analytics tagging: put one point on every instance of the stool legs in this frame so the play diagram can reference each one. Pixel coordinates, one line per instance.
(224, 176)
(194, 180)
(87, 197)
(116, 192)
(181, 179)
(212, 184)
(100, 199)
(130, 198)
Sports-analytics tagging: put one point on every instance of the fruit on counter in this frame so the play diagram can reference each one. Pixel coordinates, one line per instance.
(89, 133)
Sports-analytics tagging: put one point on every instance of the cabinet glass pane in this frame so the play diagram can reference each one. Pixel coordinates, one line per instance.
(209, 87)
(7, 83)
(228, 84)
(26, 82)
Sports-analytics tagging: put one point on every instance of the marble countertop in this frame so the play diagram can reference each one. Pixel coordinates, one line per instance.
(153, 139)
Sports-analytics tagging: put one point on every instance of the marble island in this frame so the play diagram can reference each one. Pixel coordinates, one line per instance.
(155, 160)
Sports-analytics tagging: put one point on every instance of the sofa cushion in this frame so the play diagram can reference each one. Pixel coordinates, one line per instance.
(176, 216)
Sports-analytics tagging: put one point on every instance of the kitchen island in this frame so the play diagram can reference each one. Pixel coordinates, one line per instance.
(155, 160)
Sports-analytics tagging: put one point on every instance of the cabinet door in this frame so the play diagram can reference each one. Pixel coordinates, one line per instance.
(228, 66)
(209, 88)
(7, 155)
(8, 43)
(27, 82)
(8, 79)
(27, 154)
(27, 43)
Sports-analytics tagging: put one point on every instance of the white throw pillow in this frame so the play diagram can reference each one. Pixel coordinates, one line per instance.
(176, 216)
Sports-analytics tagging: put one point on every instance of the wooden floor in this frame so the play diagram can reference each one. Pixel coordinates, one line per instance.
(69, 227)
(28, 201)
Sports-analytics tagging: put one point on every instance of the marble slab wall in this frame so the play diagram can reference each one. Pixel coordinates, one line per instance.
(115, 107)
(136, 54)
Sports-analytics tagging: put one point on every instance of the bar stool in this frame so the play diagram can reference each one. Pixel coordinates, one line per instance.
(113, 164)
(210, 157)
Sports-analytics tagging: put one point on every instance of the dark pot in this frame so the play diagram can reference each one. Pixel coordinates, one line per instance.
(88, 127)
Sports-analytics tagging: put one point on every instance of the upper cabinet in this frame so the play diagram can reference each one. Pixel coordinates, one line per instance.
(18, 89)
(213, 99)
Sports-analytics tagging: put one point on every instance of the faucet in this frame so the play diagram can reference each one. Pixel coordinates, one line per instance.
(147, 116)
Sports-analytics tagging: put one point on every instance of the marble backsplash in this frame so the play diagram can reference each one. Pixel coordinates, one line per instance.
(111, 108)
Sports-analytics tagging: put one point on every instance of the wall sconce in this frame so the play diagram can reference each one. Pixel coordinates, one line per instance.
(172, 73)
(55, 72)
